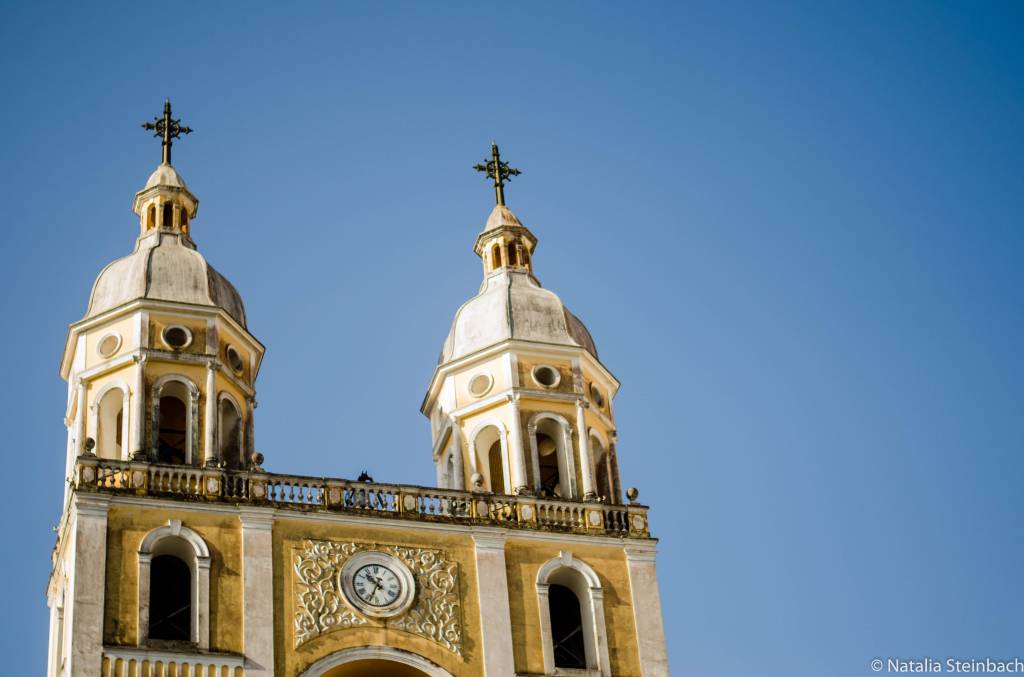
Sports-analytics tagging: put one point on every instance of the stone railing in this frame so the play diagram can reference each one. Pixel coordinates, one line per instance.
(399, 501)
(145, 662)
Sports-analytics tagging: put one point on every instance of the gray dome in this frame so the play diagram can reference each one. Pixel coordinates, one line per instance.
(512, 305)
(164, 268)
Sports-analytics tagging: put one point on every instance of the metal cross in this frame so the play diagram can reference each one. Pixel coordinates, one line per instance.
(499, 171)
(168, 128)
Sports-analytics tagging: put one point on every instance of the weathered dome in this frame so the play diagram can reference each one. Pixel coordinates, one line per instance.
(512, 305)
(164, 268)
(165, 175)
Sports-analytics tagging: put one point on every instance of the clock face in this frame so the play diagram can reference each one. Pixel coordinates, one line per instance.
(376, 585)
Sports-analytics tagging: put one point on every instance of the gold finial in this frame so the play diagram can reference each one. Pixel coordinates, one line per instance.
(499, 171)
(168, 128)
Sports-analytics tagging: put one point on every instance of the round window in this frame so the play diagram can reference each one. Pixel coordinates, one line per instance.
(546, 375)
(596, 395)
(109, 344)
(177, 337)
(480, 384)
(235, 360)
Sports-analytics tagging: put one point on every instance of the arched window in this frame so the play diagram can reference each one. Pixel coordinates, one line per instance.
(170, 599)
(173, 431)
(490, 458)
(566, 628)
(184, 220)
(168, 215)
(496, 257)
(151, 217)
(513, 260)
(110, 423)
(554, 472)
(571, 602)
(174, 586)
(230, 434)
(547, 450)
(174, 423)
(496, 469)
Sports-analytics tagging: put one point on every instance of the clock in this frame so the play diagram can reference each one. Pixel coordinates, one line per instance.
(377, 584)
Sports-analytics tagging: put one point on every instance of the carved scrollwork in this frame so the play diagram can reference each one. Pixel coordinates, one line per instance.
(435, 614)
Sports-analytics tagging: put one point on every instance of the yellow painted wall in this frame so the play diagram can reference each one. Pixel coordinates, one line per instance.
(523, 560)
(127, 526)
(124, 326)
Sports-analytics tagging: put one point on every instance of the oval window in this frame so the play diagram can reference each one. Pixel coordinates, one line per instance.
(235, 360)
(109, 344)
(597, 396)
(176, 337)
(480, 384)
(546, 375)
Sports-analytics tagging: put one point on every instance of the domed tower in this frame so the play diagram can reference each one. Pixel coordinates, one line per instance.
(519, 402)
(162, 368)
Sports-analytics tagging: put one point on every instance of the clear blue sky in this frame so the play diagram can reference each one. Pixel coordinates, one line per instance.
(794, 230)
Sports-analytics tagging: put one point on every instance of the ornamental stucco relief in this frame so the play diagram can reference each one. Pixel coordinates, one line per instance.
(435, 614)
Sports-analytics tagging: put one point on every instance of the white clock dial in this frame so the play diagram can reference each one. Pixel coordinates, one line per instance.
(377, 585)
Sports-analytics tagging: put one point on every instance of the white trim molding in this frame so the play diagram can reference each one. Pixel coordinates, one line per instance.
(374, 653)
(169, 540)
(584, 582)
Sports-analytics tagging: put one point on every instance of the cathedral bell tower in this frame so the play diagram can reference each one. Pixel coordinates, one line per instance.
(519, 403)
(162, 367)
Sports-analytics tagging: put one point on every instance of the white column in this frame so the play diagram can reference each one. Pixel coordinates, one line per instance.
(518, 456)
(650, 633)
(139, 410)
(87, 585)
(460, 473)
(257, 591)
(492, 593)
(80, 421)
(587, 471)
(209, 451)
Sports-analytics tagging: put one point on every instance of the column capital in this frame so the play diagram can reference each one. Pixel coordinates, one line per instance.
(256, 519)
(641, 552)
(490, 540)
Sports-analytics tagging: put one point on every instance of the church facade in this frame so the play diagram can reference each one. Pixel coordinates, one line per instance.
(179, 555)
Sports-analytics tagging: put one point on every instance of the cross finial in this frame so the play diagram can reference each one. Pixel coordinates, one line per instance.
(499, 171)
(168, 128)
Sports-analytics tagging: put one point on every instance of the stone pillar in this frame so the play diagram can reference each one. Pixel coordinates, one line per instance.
(80, 421)
(650, 633)
(258, 591)
(587, 463)
(495, 617)
(139, 410)
(86, 585)
(209, 450)
(517, 459)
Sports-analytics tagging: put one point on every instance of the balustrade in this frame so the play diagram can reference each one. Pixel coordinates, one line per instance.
(320, 494)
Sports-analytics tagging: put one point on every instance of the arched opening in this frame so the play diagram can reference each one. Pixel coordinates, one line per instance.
(513, 259)
(173, 428)
(547, 453)
(184, 220)
(230, 435)
(375, 668)
(567, 639)
(490, 462)
(496, 257)
(554, 473)
(572, 622)
(111, 424)
(170, 599)
(168, 215)
(496, 469)
(602, 470)
(151, 217)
